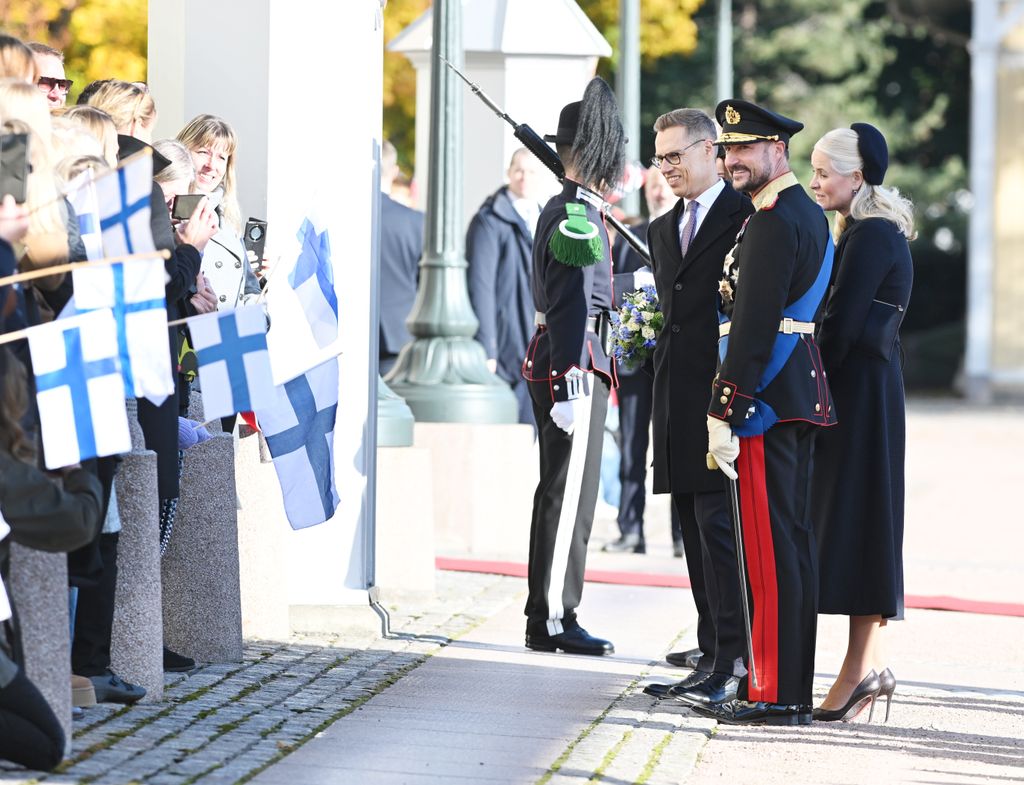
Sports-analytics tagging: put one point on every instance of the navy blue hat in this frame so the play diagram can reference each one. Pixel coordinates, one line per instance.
(568, 119)
(743, 122)
(874, 152)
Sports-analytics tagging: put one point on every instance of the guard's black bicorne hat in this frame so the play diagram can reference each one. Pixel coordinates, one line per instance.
(568, 120)
(743, 122)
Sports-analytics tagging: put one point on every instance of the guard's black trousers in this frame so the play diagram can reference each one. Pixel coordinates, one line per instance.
(781, 557)
(710, 549)
(563, 512)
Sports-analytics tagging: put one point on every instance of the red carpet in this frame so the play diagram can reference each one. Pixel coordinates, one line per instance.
(517, 570)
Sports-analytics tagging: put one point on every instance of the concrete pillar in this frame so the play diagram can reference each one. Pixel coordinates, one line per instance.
(136, 646)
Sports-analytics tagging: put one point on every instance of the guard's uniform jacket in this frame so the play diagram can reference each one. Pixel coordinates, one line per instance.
(567, 296)
(778, 270)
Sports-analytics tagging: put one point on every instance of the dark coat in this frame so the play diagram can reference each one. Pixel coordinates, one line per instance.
(778, 269)
(499, 251)
(858, 487)
(685, 358)
(567, 295)
(401, 246)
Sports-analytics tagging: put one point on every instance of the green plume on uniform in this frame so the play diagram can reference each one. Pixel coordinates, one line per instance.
(577, 242)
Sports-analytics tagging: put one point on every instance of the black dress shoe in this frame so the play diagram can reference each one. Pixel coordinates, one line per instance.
(177, 663)
(669, 690)
(684, 659)
(717, 688)
(737, 712)
(574, 641)
(111, 688)
(627, 543)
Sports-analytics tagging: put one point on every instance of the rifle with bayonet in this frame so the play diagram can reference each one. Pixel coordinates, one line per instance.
(532, 141)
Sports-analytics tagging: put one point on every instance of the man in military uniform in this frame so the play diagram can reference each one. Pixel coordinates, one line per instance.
(768, 398)
(568, 370)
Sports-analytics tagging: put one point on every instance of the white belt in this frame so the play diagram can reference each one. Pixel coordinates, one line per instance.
(593, 322)
(787, 326)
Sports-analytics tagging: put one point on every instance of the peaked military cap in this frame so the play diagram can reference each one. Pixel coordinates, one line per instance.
(743, 122)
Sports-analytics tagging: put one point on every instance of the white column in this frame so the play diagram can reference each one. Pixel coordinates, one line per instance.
(301, 82)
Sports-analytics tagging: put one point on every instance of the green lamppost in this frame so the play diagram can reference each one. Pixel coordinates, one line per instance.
(442, 374)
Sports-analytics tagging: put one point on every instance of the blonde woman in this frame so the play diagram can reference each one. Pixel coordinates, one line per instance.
(212, 143)
(17, 60)
(131, 108)
(858, 484)
(100, 125)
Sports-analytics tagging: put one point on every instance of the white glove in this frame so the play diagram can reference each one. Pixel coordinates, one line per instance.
(643, 278)
(563, 413)
(723, 445)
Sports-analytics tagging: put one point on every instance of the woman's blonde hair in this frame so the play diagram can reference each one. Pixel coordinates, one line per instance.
(17, 61)
(870, 201)
(206, 130)
(25, 111)
(100, 125)
(71, 140)
(125, 103)
(181, 166)
(70, 168)
(13, 404)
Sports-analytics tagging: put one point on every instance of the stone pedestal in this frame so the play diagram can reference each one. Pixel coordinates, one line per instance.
(201, 596)
(262, 532)
(405, 521)
(39, 585)
(136, 646)
(484, 477)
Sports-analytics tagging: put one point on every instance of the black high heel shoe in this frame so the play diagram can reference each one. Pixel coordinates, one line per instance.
(867, 690)
(887, 686)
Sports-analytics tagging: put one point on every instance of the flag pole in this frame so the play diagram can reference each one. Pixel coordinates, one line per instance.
(46, 272)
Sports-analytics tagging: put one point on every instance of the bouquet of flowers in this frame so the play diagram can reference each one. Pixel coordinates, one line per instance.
(635, 326)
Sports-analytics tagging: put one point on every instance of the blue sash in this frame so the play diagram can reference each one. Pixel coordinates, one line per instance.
(802, 310)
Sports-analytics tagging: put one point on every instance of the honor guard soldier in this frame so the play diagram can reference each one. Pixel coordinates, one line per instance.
(768, 399)
(568, 367)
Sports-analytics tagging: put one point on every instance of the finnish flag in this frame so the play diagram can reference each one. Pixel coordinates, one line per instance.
(123, 201)
(82, 195)
(313, 282)
(299, 429)
(234, 366)
(79, 390)
(134, 292)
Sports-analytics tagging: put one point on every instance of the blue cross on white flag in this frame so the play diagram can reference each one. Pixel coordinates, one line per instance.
(82, 195)
(79, 390)
(134, 291)
(299, 429)
(234, 366)
(313, 282)
(123, 199)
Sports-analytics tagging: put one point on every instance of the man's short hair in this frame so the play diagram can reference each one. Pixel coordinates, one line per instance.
(697, 123)
(388, 155)
(43, 49)
(518, 152)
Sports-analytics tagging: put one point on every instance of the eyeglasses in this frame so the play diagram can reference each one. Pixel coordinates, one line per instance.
(47, 83)
(674, 158)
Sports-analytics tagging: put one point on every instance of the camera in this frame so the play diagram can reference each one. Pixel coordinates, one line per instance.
(255, 238)
(14, 166)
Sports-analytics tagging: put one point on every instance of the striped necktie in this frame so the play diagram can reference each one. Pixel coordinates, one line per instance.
(689, 226)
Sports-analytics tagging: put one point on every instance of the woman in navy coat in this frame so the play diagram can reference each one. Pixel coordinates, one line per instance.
(858, 485)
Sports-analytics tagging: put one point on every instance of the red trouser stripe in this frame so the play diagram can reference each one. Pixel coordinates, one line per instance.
(760, 557)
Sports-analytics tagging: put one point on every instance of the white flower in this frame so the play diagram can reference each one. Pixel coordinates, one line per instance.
(647, 332)
(646, 316)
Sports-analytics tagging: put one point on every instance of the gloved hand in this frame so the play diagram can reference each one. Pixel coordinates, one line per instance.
(563, 413)
(643, 277)
(723, 445)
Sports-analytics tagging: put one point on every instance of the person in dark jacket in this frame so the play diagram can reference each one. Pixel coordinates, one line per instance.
(858, 489)
(39, 512)
(568, 370)
(401, 246)
(499, 247)
(767, 401)
(688, 247)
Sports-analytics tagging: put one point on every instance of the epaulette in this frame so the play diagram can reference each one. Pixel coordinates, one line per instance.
(577, 242)
(771, 204)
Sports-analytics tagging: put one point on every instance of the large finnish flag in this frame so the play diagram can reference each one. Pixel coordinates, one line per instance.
(234, 366)
(123, 200)
(134, 292)
(82, 195)
(313, 281)
(299, 429)
(79, 390)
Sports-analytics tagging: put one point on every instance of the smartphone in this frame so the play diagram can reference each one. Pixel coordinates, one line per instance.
(184, 205)
(14, 166)
(255, 239)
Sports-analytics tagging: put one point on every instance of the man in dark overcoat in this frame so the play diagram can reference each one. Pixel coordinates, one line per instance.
(688, 247)
(499, 251)
(769, 397)
(401, 246)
